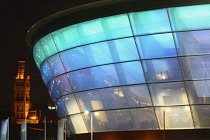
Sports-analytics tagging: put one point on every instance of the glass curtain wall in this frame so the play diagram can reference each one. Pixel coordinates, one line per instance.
(126, 75)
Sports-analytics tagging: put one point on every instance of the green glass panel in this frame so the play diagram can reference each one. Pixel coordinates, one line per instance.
(66, 38)
(190, 17)
(38, 54)
(147, 22)
(117, 26)
(91, 31)
(48, 45)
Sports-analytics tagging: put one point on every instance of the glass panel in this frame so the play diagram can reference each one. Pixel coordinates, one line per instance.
(110, 120)
(63, 84)
(53, 89)
(100, 53)
(71, 104)
(66, 38)
(48, 45)
(148, 22)
(199, 91)
(120, 120)
(78, 124)
(108, 75)
(165, 94)
(190, 17)
(46, 72)
(144, 118)
(193, 43)
(175, 117)
(196, 67)
(38, 54)
(91, 31)
(56, 65)
(69, 126)
(201, 115)
(110, 98)
(160, 70)
(60, 108)
(113, 29)
(148, 46)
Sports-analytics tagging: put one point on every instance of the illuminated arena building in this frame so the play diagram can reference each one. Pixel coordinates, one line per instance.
(131, 65)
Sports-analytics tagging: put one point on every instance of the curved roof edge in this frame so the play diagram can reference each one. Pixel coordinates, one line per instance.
(96, 10)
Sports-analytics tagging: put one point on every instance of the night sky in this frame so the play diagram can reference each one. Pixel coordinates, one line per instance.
(16, 18)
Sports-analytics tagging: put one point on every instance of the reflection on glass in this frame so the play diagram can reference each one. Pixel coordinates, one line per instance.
(38, 54)
(190, 17)
(46, 72)
(100, 53)
(148, 22)
(116, 97)
(60, 108)
(193, 43)
(156, 46)
(78, 124)
(196, 67)
(63, 84)
(71, 104)
(201, 115)
(165, 94)
(178, 117)
(199, 91)
(162, 70)
(53, 89)
(107, 75)
(66, 38)
(48, 45)
(56, 65)
(144, 118)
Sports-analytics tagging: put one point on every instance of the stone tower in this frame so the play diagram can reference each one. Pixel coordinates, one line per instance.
(22, 107)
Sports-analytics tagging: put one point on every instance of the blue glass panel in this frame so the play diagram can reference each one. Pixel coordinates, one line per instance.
(116, 97)
(160, 70)
(66, 38)
(108, 75)
(193, 43)
(156, 46)
(60, 108)
(56, 65)
(48, 45)
(198, 91)
(100, 53)
(53, 89)
(190, 17)
(148, 22)
(196, 67)
(165, 94)
(38, 54)
(46, 72)
(71, 104)
(63, 84)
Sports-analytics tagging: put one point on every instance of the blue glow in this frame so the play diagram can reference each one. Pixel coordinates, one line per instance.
(46, 72)
(156, 46)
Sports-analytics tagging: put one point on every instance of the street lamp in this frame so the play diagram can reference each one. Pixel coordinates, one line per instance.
(91, 122)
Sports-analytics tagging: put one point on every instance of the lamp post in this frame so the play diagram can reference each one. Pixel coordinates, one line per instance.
(164, 122)
(91, 122)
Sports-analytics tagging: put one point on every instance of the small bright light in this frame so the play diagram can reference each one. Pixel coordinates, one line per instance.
(86, 112)
(167, 109)
(187, 108)
(96, 113)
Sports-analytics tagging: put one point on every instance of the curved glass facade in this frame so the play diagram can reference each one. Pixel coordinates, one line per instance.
(128, 69)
